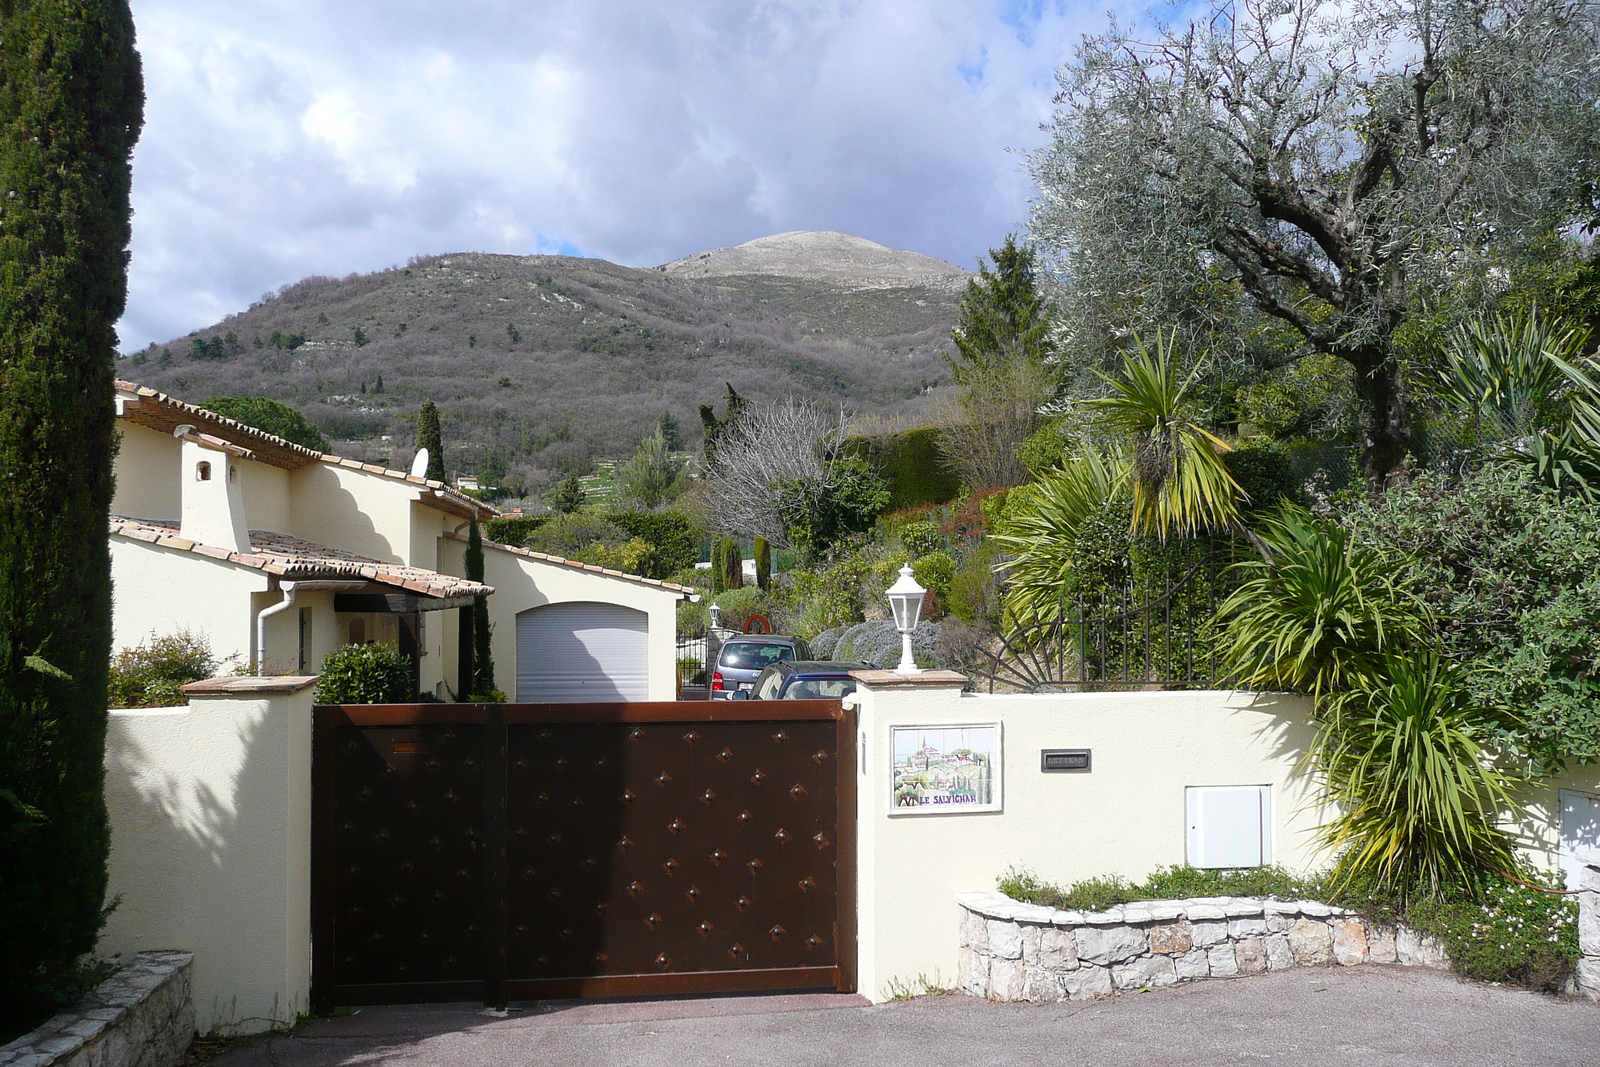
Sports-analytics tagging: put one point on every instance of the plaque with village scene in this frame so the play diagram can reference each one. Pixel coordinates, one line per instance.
(945, 769)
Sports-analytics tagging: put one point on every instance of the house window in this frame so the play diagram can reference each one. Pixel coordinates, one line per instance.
(305, 638)
(202, 471)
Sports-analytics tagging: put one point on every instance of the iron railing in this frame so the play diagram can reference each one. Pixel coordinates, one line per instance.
(1157, 633)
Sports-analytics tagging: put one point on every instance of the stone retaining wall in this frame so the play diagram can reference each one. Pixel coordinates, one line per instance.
(142, 1016)
(1016, 951)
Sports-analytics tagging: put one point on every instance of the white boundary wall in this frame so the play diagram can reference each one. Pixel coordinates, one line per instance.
(1126, 816)
(210, 808)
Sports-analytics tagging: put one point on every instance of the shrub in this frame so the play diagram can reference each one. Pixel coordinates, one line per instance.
(738, 605)
(365, 674)
(763, 558)
(935, 572)
(878, 642)
(1164, 883)
(820, 512)
(921, 538)
(150, 674)
(1510, 569)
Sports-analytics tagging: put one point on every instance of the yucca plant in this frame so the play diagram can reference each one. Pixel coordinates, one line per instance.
(1179, 481)
(1043, 522)
(1315, 607)
(1398, 753)
(1506, 373)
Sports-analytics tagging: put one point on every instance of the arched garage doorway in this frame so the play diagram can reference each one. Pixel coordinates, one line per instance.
(582, 652)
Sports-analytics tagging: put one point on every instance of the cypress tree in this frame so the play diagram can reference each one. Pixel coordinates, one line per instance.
(763, 554)
(428, 437)
(733, 561)
(71, 106)
(482, 685)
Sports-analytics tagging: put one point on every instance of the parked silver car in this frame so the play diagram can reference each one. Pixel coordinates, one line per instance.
(744, 657)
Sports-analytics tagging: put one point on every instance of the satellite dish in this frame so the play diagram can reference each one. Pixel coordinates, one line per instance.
(419, 466)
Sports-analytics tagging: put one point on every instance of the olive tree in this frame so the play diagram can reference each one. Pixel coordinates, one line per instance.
(1332, 164)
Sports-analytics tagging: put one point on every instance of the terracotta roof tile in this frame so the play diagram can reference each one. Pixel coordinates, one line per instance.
(293, 558)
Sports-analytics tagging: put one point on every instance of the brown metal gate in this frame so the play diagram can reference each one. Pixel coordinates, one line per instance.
(466, 851)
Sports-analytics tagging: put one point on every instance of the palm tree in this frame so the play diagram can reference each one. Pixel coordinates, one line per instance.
(1175, 468)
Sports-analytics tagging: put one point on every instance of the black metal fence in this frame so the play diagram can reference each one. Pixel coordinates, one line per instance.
(1156, 633)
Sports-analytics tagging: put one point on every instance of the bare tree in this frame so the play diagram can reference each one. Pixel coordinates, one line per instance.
(1334, 163)
(997, 411)
(789, 443)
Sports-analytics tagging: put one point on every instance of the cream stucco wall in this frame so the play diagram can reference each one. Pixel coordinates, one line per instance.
(148, 485)
(354, 510)
(266, 495)
(1539, 833)
(210, 808)
(162, 590)
(1126, 816)
(521, 583)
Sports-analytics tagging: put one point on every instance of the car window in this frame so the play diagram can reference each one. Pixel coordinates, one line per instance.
(767, 685)
(749, 656)
(821, 689)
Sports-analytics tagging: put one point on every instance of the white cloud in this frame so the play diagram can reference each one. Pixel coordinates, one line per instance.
(286, 137)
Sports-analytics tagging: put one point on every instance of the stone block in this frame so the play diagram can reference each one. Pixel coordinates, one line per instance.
(974, 931)
(1250, 955)
(1279, 956)
(1030, 944)
(1110, 944)
(1238, 928)
(1209, 933)
(1311, 942)
(1349, 942)
(1588, 977)
(1041, 986)
(1170, 939)
(1380, 945)
(1005, 939)
(1195, 963)
(1589, 923)
(1414, 950)
(1005, 979)
(972, 972)
(1086, 983)
(1165, 912)
(1243, 909)
(1279, 922)
(1197, 912)
(1058, 949)
(1146, 972)
(1223, 962)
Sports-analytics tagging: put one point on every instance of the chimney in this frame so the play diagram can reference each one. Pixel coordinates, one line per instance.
(213, 503)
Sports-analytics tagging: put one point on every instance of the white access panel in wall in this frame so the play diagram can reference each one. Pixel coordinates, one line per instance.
(1229, 825)
(1580, 833)
(582, 653)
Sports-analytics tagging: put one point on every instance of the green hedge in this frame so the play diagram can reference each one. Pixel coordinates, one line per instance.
(673, 536)
(910, 462)
(514, 530)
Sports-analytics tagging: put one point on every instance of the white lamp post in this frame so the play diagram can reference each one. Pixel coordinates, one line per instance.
(905, 600)
(716, 617)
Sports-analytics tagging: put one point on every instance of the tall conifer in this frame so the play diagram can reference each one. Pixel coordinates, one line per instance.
(428, 437)
(482, 686)
(71, 106)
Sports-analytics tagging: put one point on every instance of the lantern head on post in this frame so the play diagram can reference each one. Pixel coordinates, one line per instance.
(905, 600)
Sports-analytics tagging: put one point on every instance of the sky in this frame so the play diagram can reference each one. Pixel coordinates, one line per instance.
(285, 138)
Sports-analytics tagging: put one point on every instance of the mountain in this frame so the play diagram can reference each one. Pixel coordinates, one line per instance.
(540, 364)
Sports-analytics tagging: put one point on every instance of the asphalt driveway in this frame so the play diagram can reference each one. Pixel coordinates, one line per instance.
(1307, 1017)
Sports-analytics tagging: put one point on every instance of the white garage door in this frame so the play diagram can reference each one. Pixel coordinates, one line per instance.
(582, 653)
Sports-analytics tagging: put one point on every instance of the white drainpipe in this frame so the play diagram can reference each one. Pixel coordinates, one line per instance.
(261, 623)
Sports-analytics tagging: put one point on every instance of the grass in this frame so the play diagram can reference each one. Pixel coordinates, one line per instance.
(920, 986)
(1166, 883)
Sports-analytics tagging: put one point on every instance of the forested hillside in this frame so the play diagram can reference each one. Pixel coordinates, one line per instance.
(539, 364)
